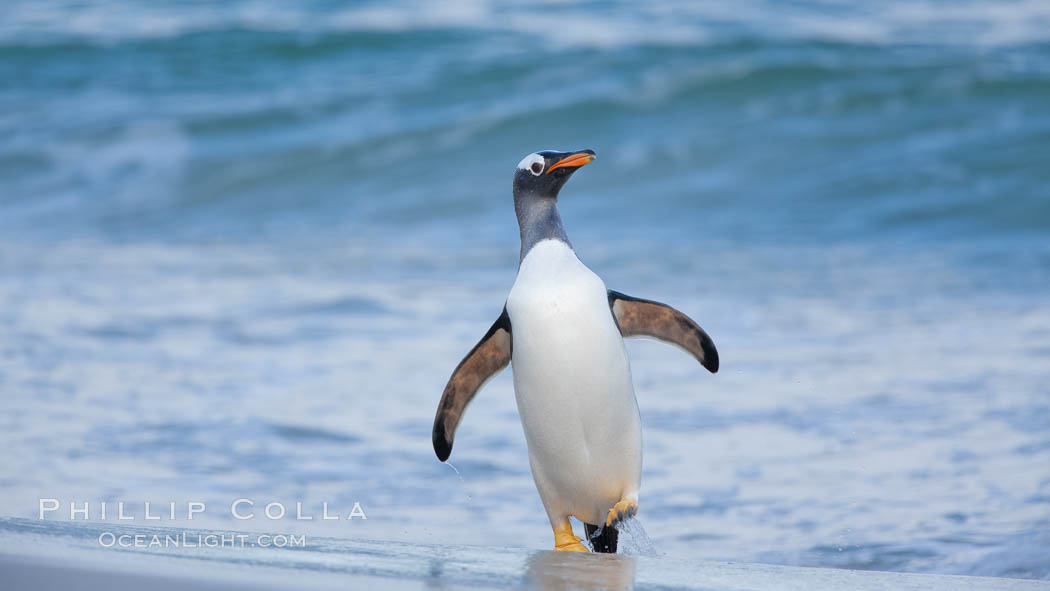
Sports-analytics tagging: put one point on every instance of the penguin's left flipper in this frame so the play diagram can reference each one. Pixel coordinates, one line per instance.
(486, 359)
(638, 317)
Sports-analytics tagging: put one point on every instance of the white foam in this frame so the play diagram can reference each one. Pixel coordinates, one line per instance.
(671, 22)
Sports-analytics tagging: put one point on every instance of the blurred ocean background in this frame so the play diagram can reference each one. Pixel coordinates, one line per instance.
(243, 245)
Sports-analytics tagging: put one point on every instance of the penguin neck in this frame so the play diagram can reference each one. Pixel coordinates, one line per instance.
(538, 220)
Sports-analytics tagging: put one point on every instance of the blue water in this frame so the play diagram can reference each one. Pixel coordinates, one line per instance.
(242, 246)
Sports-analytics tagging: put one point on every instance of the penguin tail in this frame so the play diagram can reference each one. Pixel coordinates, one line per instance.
(602, 539)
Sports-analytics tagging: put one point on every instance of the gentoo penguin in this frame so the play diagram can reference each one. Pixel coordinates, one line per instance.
(563, 332)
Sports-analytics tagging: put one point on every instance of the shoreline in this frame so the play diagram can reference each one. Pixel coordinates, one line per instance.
(57, 555)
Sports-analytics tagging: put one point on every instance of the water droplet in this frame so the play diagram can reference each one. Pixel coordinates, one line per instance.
(633, 540)
(463, 482)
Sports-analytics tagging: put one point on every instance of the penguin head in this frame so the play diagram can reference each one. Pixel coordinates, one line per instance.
(542, 174)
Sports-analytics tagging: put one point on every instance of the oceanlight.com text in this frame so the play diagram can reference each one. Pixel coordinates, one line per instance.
(187, 539)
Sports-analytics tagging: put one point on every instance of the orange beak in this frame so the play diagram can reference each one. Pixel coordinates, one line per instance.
(576, 160)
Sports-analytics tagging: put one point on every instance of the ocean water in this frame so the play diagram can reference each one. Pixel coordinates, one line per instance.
(243, 245)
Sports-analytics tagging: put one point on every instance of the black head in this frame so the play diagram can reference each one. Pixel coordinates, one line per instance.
(542, 174)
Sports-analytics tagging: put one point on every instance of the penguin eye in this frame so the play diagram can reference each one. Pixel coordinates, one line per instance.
(534, 163)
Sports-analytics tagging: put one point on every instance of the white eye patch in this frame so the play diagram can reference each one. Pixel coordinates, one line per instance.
(533, 163)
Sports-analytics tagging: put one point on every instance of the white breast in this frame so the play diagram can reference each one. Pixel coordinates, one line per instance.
(573, 385)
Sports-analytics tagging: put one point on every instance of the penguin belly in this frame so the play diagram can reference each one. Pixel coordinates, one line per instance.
(572, 383)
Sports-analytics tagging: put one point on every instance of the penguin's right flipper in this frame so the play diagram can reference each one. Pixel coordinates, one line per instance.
(638, 317)
(486, 359)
